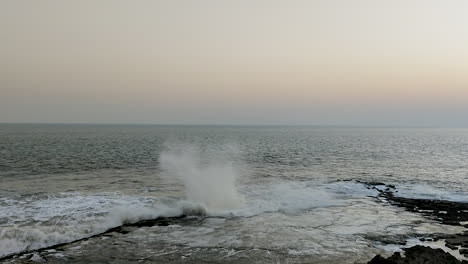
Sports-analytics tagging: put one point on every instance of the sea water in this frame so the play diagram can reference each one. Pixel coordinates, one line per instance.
(267, 193)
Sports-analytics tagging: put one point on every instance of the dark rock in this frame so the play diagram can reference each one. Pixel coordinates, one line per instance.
(375, 183)
(418, 255)
(446, 212)
(453, 247)
(456, 241)
(380, 260)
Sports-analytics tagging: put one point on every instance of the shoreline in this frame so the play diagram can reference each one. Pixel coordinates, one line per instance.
(441, 211)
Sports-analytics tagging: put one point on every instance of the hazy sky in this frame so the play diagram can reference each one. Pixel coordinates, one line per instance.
(351, 62)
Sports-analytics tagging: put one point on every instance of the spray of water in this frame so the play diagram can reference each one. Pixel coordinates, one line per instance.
(209, 176)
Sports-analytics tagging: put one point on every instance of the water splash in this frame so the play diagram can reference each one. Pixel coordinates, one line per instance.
(209, 176)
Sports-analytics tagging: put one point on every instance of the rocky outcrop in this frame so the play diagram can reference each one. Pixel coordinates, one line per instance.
(418, 255)
(445, 212)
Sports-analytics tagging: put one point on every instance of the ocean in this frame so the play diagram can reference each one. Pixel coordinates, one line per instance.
(248, 194)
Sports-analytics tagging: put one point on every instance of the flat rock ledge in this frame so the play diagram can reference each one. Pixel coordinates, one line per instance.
(419, 255)
(444, 212)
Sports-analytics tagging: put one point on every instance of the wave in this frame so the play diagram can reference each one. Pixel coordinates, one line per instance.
(208, 176)
(70, 217)
(67, 217)
(30, 223)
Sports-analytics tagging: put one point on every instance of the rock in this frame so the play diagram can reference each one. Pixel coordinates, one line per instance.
(456, 241)
(452, 212)
(375, 183)
(446, 212)
(464, 251)
(37, 258)
(453, 247)
(380, 260)
(418, 255)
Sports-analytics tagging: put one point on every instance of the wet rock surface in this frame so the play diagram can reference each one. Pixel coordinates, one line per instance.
(444, 212)
(42, 255)
(418, 255)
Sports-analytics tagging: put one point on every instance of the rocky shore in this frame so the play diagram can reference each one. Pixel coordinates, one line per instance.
(418, 255)
(115, 240)
(444, 212)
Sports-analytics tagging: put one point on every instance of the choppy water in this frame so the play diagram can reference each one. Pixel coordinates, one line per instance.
(267, 191)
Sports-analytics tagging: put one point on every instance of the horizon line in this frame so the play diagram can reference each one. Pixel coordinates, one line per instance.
(226, 125)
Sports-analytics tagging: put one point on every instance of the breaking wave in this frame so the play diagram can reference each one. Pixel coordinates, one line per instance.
(209, 176)
(70, 217)
(29, 224)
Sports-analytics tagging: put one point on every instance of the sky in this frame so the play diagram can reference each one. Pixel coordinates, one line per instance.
(259, 62)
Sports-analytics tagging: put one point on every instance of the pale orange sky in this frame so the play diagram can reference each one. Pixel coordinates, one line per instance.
(359, 62)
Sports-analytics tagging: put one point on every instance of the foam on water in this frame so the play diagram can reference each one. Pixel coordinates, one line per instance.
(287, 197)
(429, 192)
(347, 227)
(68, 217)
(29, 223)
(34, 222)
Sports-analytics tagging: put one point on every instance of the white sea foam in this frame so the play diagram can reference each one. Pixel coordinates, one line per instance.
(351, 189)
(286, 197)
(50, 220)
(209, 177)
(416, 191)
(429, 192)
(20, 238)
(68, 217)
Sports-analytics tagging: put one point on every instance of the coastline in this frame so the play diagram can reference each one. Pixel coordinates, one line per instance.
(436, 247)
(450, 248)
